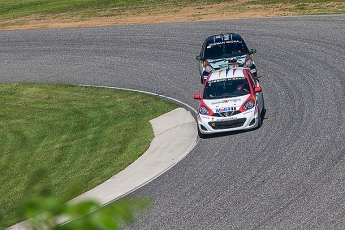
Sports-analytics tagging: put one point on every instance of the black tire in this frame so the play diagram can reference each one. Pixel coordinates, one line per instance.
(262, 114)
(199, 133)
(259, 120)
(202, 80)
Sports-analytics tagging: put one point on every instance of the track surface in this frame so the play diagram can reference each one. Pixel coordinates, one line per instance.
(289, 174)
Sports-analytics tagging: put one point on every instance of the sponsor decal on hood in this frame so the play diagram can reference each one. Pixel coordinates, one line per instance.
(225, 104)
(225, 62)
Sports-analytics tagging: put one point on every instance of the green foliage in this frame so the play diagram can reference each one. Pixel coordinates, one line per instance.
(43, 211)
(86, 215)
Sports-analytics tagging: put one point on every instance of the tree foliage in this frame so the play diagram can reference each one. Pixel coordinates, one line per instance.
(45, 212)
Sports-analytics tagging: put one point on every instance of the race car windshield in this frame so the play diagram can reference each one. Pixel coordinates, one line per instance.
(231, 87)
(225, 50)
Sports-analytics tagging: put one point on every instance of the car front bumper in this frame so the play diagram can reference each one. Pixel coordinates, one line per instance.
(242, 121)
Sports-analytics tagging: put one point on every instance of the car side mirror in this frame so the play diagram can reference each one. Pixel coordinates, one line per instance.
(252, 51)
(257, 89)
(197, 96)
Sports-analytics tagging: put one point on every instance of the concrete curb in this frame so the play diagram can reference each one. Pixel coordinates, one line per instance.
(175, 135)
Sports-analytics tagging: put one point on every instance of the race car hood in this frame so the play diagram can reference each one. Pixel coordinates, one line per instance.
(225, 104)
(221, 63)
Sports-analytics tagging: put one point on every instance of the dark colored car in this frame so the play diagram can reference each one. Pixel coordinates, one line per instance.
(224, 50)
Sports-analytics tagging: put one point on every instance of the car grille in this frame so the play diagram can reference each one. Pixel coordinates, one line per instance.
(226, 114)
(227, 124)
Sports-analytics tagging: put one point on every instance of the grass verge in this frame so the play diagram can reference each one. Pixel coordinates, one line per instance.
(73, 135)
(16, 14)
(86, 8)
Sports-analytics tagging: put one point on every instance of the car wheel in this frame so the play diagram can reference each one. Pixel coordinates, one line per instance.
(263, 112)
(199, 133)
(261, 116)
(202, 80)
(259, 120)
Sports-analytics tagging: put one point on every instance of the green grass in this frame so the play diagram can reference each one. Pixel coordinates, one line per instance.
(75, 135)
(20, 12)
(18, 8)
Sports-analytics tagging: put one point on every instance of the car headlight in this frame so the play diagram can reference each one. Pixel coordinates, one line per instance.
(249, 105)
(203, 110)
(208, 69)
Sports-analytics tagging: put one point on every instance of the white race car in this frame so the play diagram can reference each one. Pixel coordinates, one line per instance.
(231, 100)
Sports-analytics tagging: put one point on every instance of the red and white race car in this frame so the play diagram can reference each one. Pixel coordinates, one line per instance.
(231, 100)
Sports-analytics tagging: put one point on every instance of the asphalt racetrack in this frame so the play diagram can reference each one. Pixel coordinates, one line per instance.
(289, 174)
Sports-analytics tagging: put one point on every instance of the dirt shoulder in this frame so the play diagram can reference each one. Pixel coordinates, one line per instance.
(223, 11)
(157, 15)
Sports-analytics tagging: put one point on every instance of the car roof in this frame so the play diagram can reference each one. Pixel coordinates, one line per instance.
(226, 73)
(223, 37)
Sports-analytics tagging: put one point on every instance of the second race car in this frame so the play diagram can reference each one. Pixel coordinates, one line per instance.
(223, 50)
